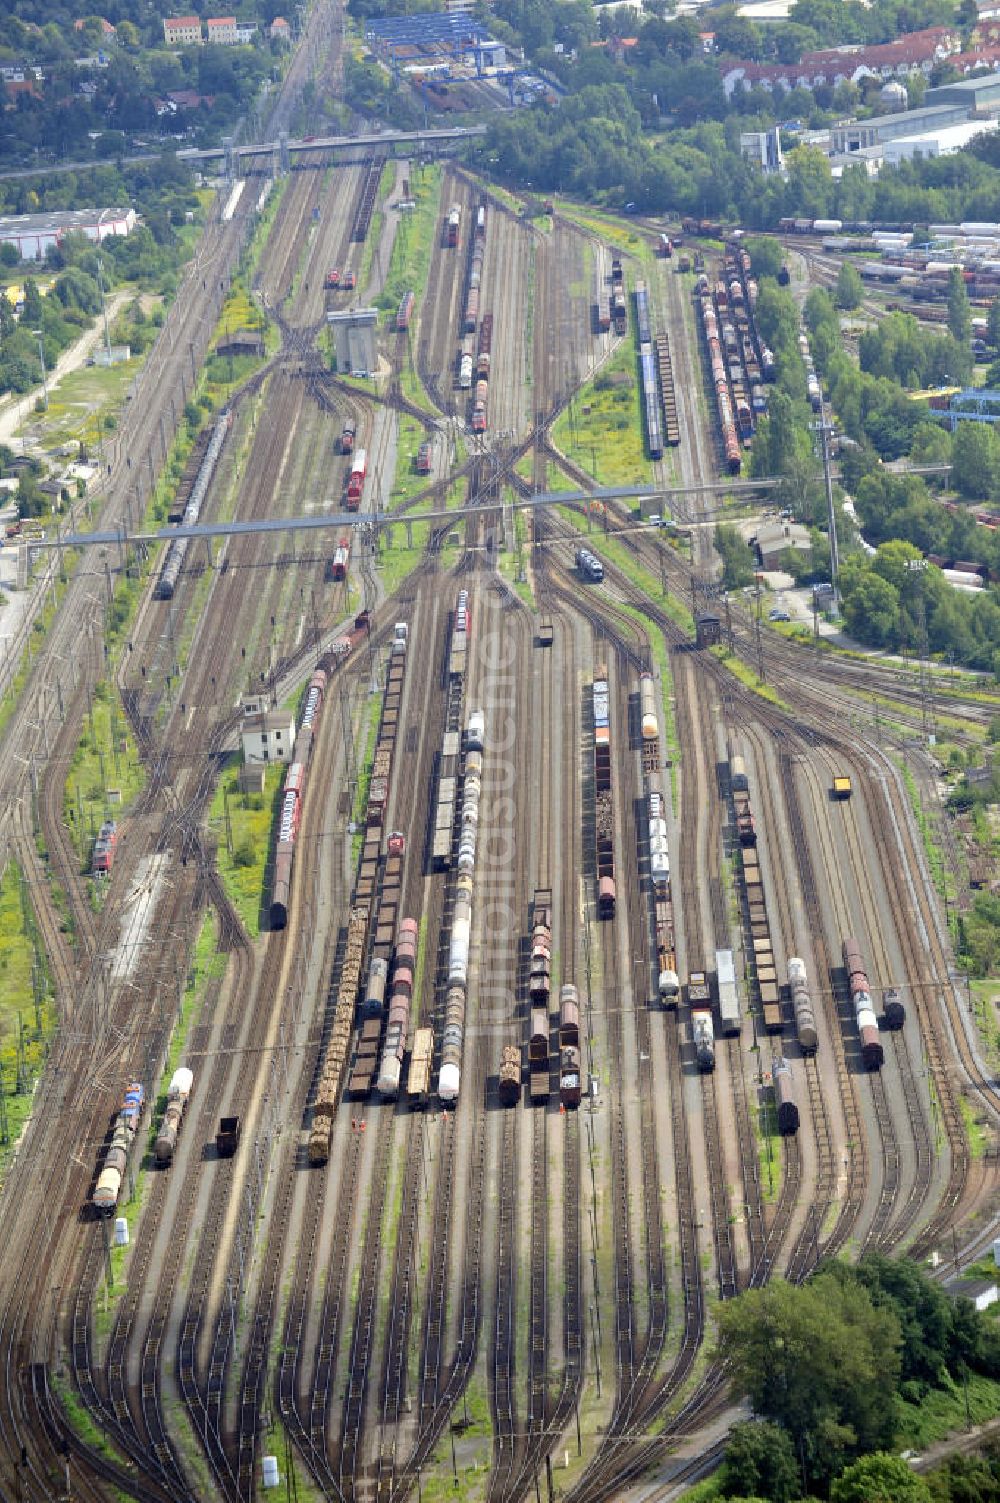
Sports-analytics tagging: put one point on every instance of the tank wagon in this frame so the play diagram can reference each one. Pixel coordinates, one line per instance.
(178, 1092)
(802, 1006)
(123, 1134)
(296, 779)
(604, 812)
(861, 1002)
(177, 550)
(785, 1098)
(647, 705)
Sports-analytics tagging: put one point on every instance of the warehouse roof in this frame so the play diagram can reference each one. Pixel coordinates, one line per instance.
(57, 219)
(965, 91)
(428, 29)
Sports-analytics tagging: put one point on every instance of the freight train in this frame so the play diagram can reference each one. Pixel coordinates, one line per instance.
(335, 1053)
(604, 808)
(539, 994)
(177, 550)
(619, 307)
(762, 970)
(570, 1059)
(862, 1005)
(123, 1135)
(802, 1006)
(398, 1019)
(453, 1039)
(291, 800)
(478, 251)
(443, 837)
(178, 1093)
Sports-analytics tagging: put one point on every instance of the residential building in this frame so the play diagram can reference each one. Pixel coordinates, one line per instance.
(33, 234)
(182, 31)
(221, 31)
(110, 34)
(268, 737)
(245, 34)
(920, 51)
(280, 30)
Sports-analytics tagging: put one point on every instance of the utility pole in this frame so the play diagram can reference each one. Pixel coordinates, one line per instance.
(41, 355)
(104, 307)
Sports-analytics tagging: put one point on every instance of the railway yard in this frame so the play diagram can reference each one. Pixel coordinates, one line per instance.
(579, 1002)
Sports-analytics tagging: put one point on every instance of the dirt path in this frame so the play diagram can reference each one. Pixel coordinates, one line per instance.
(15, 410)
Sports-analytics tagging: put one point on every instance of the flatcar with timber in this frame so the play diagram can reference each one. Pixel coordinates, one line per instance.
(510, 1075)
(785, 1098)
(418, 1080)
(861, 1002)
(123, 1134)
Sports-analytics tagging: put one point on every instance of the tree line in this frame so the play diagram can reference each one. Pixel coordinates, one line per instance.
(833, 1370)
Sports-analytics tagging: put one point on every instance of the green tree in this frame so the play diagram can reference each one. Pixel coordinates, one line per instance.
(31, 317)
(871, 606)
(880, 1478)
(850, 288)
(767, 256)
(975, 460)
(993, 323)
(737, 562)
(760, 1460)
(818, 1359)
(959, 313)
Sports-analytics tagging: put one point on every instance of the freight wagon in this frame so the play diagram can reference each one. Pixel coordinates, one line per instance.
(178, 1092)
(126, 1125)
(703, 1039)
(729, 1001)
(862, 1005)
(604, 817)
(418, 1080)
(589, 566)
(805, 1017)
(784, 1098)
(510, 1075)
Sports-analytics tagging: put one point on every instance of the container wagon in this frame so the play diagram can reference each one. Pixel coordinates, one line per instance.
(729, 1001)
